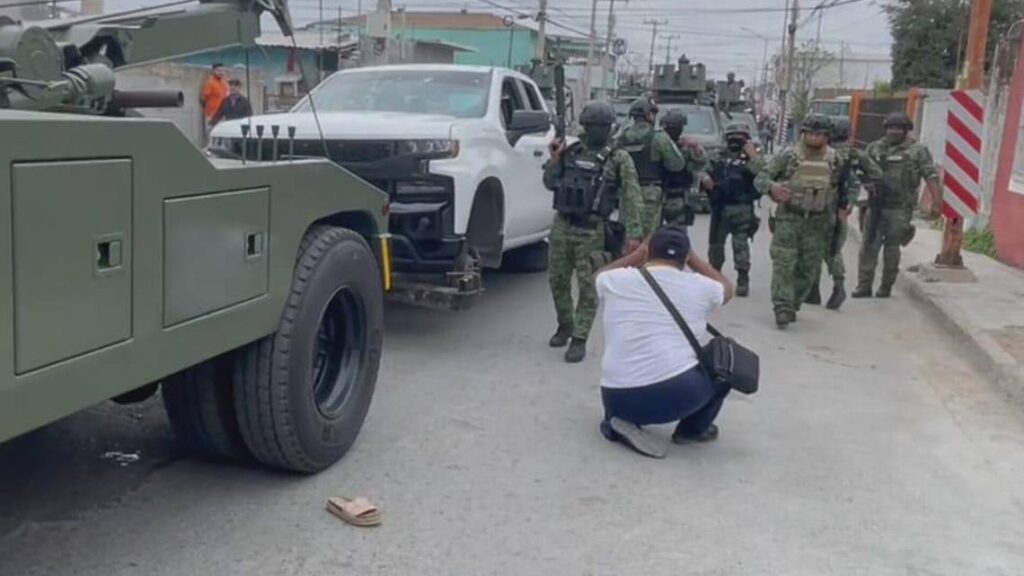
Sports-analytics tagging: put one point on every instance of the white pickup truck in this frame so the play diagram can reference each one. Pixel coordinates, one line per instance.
(458, 149)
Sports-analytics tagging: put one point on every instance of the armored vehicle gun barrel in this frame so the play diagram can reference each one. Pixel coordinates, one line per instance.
(122, 99)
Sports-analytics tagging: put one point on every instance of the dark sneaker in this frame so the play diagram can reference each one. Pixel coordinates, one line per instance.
(837, 298)
(784, 318)
(636, 438)
(861, 292)
(577, 351)
(561, 337)
(709, 435)
(814, 296)
(884, 291)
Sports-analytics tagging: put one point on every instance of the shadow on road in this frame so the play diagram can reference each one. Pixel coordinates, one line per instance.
(88, 460)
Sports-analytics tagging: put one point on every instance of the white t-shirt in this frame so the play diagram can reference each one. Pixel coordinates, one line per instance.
(642, 343)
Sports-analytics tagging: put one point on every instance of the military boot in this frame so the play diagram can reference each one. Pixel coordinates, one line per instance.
(743, 284)
(814, 296)
(861, 291)
(885, 289)
(561, 337)
(783, 318)
(837, 297)
(577, 351)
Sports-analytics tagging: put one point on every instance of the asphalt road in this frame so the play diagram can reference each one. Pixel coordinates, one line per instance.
(872, 449)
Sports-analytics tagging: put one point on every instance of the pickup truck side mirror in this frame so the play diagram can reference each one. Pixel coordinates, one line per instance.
(528, 122)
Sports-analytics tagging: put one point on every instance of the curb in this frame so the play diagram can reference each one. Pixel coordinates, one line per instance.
(984, 353)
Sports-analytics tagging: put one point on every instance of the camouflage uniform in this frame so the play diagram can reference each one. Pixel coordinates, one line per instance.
(678, 205)
(578, 245)
(864, 169)
(734, 213)
(665, 156)
(801, 237)
(904, 165)
(679, 187)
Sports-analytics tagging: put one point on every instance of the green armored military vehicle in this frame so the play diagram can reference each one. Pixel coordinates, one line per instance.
(250, 292)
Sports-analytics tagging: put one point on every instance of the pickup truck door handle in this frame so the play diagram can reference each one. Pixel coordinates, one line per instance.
(538, 153)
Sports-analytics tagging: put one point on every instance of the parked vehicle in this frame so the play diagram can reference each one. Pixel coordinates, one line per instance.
(458, 149)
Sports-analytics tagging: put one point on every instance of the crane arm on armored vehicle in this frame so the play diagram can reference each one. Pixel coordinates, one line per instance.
(68, 65)
(249, 293)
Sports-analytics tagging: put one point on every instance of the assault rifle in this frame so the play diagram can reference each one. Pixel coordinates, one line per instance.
(837, 228)
(560, 110)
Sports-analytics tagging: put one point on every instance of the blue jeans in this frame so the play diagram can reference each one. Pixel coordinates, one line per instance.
(690, 397)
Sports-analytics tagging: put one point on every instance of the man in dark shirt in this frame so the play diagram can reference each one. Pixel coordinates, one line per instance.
(234, 106)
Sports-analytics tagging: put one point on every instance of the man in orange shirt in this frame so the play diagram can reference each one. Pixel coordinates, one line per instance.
(212, 94)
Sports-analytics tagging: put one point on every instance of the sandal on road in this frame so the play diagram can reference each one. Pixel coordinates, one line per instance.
(357, 512)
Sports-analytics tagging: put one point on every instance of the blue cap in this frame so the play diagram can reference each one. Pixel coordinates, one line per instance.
(670, 243)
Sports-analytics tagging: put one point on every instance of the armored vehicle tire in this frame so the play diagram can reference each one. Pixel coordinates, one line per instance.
(200, 405)
(530, 258)
(302, 393)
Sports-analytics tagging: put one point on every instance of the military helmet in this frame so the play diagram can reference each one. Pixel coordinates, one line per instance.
(815, 123)
(840, 130)
(898, 120)
(674, 117)
(597, 113)
(642, 107)
(737, 128)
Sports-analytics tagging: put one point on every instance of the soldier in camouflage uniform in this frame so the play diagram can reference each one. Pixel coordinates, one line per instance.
(804, 180)
(654, 154)
(863, 168)
(679, 190)
(904, 164)
(590, 180)
(732, 192)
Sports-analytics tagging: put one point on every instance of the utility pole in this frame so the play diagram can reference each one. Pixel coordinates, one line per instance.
(590, 52)
(542, 18)
(320, 46)
(668, 47)
(608, 46)
(654, 35)
(971, 78)
(784, 96)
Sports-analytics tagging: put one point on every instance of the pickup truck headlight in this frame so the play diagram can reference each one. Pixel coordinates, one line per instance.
(433, 148)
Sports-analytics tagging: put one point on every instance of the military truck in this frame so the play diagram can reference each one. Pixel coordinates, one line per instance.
(249, 292)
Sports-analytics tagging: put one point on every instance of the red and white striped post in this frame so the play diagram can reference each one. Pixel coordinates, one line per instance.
(961, 180)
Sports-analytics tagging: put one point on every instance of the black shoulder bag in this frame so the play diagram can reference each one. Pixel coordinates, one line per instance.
(724, 359)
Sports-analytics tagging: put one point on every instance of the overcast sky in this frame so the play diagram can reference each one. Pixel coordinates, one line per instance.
(721, 33)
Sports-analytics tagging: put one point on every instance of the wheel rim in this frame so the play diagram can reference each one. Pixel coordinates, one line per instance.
(340, 353)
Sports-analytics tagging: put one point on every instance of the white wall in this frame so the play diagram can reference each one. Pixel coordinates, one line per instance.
(187, 79)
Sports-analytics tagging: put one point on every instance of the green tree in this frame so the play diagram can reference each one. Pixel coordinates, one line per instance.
(929, 38)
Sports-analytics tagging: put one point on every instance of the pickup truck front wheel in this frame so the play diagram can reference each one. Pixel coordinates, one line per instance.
(303, 393)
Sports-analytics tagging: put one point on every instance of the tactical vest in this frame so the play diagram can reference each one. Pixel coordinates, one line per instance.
(677, 184)
(901, 177)
(650, 172)
(733, 182)
(582, 190)
(811, 186)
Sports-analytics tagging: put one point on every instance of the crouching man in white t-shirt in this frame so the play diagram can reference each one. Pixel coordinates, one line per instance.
(649, 373)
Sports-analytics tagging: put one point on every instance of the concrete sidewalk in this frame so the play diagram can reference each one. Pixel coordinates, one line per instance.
(983, 307)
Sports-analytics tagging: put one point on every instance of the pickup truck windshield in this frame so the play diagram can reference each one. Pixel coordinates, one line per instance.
(454, 93)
